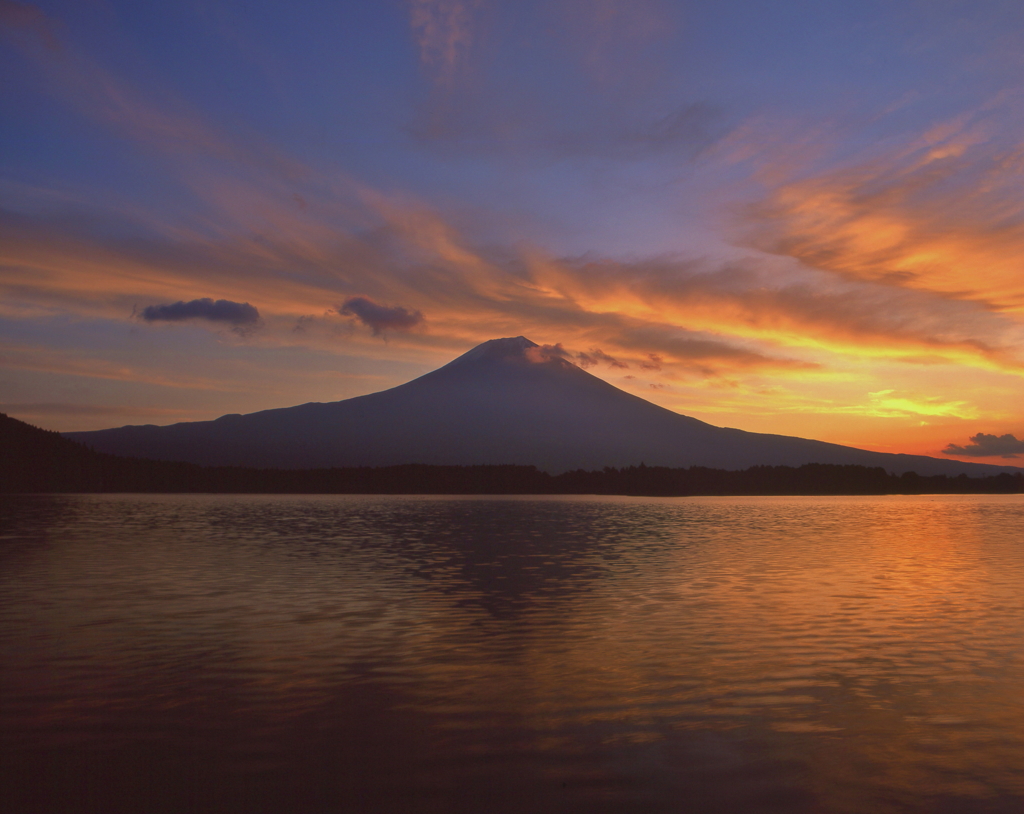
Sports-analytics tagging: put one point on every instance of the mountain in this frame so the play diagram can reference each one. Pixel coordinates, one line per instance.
(504, 402)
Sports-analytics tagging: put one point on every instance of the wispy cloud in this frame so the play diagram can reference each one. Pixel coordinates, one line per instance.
(652, 362)
(689, 313)
(614, 40)
(595, 356)
(893, 403)
(940, 213)
(601, 61)
(444, 33)
(750, 301)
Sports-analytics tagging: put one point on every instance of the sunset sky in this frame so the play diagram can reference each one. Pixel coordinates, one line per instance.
(802, 217)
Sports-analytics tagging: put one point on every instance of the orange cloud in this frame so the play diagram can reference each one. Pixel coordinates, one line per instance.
(808, 312)
(700, 318)
(943, 214)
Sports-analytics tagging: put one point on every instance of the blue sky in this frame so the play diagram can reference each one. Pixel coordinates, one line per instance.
(808, 212)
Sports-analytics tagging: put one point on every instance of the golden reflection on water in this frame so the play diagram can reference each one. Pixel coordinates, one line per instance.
(858, 654)
(879, 638)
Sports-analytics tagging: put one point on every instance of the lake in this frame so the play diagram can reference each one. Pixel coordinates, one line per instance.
(442, 654)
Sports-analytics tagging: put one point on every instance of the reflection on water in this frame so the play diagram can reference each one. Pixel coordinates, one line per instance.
(248, 654)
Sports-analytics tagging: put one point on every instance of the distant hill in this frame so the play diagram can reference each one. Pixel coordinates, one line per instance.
(504, 402)
(35, 460)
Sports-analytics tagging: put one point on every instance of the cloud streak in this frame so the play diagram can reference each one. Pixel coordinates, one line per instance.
(684, 312)
(941, 214)
(595, 356)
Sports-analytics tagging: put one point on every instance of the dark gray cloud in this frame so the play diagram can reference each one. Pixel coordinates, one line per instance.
(238, 314)
(380, 318)
(988, 446)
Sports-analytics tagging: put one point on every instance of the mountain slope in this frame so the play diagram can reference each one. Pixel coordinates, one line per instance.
(504, 402)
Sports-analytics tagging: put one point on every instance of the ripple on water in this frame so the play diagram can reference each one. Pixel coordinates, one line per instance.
(257, 653)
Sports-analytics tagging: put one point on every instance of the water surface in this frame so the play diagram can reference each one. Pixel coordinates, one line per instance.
(414, 654)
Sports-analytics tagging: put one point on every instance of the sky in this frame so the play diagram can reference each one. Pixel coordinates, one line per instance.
(793, 217)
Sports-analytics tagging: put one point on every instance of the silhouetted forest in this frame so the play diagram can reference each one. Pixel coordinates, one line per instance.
(35, 460)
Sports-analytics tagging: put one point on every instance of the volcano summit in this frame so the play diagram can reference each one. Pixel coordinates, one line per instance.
(506, 401)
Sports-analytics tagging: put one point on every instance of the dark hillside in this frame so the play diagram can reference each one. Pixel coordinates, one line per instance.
(36, 460)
